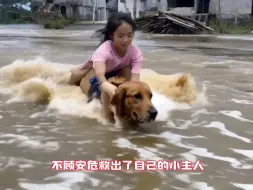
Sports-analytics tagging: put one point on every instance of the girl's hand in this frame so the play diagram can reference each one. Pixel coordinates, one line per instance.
(108, 88)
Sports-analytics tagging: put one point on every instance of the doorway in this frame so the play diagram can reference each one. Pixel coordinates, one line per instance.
(183, 3)
(203, 6)
(252, 8)
(64, 11)
(180, 3)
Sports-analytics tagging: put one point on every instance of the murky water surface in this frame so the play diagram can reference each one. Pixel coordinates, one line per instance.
(218, 132)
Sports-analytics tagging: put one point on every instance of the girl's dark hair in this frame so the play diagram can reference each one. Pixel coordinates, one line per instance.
(114, 21)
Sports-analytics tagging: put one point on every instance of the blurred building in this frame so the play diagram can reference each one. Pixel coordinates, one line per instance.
(70, 9)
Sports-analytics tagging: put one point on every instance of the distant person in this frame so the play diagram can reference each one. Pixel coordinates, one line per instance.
(116, 54)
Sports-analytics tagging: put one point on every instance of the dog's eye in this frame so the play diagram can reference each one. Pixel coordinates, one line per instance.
(137, 96)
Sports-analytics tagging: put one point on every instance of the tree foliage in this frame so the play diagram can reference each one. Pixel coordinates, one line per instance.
(12, 9)
(10, 3)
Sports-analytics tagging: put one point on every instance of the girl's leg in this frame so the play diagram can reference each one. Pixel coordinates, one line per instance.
(85, 81)
(76, 76)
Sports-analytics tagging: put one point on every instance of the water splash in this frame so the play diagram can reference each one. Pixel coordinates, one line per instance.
(41, 81)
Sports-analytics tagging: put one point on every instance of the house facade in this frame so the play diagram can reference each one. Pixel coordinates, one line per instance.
(99, 10)
(137, 7)
(224, 9)
(229, 9)
(86, 10)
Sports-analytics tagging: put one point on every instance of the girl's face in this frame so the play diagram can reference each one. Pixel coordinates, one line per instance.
(122, 37)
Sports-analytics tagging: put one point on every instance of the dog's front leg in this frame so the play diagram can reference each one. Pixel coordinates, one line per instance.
(106, 112)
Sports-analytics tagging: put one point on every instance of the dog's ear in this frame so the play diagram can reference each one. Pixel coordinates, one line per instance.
(118, 100)
(145, 85)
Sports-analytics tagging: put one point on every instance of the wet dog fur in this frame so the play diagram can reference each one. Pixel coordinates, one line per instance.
(131, 103)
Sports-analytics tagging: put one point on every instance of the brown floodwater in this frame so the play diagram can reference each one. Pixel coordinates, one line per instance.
(218, 131)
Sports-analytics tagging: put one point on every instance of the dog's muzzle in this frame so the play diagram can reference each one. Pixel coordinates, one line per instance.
(152, 113)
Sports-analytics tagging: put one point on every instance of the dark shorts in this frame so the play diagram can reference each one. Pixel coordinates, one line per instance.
(94, 90)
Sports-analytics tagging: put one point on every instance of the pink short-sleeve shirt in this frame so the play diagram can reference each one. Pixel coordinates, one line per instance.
(107, 54)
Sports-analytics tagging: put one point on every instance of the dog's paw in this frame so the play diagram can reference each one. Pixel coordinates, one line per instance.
(110, 118)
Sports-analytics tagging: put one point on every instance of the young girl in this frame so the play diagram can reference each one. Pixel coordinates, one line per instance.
(116, 54)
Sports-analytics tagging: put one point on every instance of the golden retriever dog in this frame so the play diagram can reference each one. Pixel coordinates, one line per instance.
(131, 103)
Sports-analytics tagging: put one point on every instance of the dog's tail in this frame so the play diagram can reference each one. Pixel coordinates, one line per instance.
(187, 88)
(183, 80)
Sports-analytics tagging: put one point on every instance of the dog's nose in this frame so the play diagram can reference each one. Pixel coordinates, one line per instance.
(153, 113)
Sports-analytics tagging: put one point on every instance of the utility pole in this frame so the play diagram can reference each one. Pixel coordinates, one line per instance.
(94, 9)
(219, 11)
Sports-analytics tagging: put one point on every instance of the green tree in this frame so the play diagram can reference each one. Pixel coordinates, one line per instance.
(13, 6)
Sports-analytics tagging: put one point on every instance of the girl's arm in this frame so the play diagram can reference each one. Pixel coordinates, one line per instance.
(99, 59)
(100, 68)
(135, 77)
(136, 64)
(107, 87)
(136, 68)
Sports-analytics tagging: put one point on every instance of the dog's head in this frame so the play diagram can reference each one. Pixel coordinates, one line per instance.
(132, 100)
